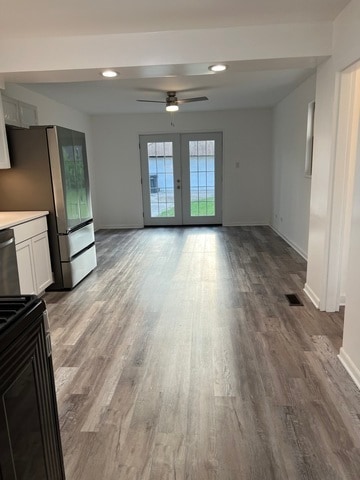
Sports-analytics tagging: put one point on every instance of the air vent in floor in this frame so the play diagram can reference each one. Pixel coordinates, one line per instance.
(294, 300)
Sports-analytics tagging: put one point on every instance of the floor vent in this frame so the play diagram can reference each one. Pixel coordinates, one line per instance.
(294, 300)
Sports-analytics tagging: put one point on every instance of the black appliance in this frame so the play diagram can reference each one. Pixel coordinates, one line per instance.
(30, 445)
(9, 278)
(49, 172)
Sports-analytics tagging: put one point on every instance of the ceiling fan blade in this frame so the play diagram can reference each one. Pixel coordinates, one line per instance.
(195, 99)
(151, 101)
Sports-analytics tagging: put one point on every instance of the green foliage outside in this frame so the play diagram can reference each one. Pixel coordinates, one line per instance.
(199, 208)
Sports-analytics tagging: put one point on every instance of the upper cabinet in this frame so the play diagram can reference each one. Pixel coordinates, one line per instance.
(15, 113)
(4, 151)
(19, 114)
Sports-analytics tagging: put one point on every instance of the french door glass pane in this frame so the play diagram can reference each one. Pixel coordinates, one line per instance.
(161, 179)
(202, 178)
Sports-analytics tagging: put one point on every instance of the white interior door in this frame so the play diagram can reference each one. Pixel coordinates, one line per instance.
(181, 178)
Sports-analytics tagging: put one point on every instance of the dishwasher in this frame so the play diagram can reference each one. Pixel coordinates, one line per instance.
(9, 278)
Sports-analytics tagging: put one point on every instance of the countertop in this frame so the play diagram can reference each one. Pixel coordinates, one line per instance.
(10, 219)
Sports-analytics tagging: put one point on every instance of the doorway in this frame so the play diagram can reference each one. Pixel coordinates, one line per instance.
(181, 178)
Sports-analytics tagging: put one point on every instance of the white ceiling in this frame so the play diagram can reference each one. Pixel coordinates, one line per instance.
(85, 17)
(244, 85)
(236, 88)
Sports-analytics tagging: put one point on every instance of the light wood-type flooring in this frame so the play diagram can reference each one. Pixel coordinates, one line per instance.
(180, 358)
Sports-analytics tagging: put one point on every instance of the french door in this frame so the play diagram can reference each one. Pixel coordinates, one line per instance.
(181, 178)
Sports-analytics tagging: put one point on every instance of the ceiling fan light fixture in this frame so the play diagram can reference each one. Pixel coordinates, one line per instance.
(172, 108)
(109, 74)
(219, 67)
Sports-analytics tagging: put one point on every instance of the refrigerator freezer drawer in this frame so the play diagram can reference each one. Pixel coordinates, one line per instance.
(74, 242)
(79, 267)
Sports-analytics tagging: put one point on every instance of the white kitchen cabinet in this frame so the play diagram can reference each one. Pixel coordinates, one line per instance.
(19, 114)
(11, 111)
(25, 261)
(42, 264)
(28, 114)
(4, 151)
(33, 256)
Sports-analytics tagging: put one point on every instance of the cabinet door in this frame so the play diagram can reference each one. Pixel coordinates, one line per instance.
(25, 263)
(28, 114)
(4, 151)
(11, 111)
(19, 114)
(42, 264)
(29, 432)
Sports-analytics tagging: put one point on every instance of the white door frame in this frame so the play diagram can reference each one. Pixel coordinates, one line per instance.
(347, 143)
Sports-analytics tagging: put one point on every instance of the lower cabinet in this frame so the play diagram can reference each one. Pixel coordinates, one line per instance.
(25, 263)
(30, 444)
(33, 256)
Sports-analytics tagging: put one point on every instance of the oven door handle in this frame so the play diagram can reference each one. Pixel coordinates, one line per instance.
(48, 345)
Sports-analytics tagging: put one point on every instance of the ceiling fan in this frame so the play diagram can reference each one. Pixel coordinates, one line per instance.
(172, 103)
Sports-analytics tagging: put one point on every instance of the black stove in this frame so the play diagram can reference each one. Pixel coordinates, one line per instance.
(29, 426)
(13, 308)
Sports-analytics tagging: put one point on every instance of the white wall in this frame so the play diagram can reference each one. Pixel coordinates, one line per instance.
(291, 188)
(350, 351)
(324, 246)
(321, 184)
(346, 52)
(54, 113)
(247, 139)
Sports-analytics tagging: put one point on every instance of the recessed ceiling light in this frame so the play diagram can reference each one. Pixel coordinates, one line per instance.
(109, 73)
(172, 108)
(220, 67)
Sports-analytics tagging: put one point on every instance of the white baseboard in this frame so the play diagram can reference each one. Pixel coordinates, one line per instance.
(342, 300)
(246, 224)
(293, 245)
(120, 227)
(350, 366)
(313, 297)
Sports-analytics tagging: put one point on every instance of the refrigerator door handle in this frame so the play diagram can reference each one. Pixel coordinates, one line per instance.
(57, 180)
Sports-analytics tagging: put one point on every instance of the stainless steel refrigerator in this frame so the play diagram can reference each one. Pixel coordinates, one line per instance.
(49, 172)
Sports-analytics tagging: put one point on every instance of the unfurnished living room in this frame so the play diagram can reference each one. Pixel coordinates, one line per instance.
(180, 210)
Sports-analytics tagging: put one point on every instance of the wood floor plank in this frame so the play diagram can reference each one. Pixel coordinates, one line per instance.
(168, 458)
(179, 358)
